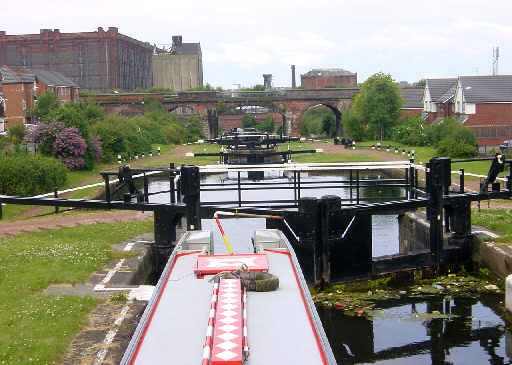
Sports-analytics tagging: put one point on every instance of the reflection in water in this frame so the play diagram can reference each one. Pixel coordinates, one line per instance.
(437, 330)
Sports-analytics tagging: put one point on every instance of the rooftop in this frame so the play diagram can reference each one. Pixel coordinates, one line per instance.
(328, 72)
(486, 89)
(441, 90)
(413, 98)
(50, 78)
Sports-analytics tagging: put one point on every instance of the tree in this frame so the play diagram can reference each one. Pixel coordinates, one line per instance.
(46, 102)
(249, 120)
(353, 125)
(267, 125)
(328, 124)
(378, 103)
(420, 83)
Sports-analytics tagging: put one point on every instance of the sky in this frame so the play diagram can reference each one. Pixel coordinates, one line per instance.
(242, 40)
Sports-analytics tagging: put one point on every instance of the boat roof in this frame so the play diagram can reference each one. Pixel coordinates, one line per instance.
(281, 326)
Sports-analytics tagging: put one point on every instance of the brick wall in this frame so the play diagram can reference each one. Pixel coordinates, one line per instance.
(319, 81)
(20, 98)
(410, 112)
(492, 123)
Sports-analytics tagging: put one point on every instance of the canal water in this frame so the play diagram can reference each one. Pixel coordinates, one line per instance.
(410, 330)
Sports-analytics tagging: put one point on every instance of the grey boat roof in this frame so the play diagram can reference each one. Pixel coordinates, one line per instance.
(280, 330)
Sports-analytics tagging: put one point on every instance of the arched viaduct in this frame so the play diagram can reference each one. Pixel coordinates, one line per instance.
(290, 104)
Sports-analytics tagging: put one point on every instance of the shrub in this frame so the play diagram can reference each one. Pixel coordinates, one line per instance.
(65, 143)
(17, 132)
(450, 147)
(26, 175)
(249, 120)
(410, 131)
(449, 127)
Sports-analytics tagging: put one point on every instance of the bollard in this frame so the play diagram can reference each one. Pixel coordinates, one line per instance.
(56, 196)
(150, 154)
(143, 156)
(373, 146)
(353, 145)
(403, 152)
(461, 181)
(136, 156)
(158, 150)
(508, 293)
(119, 159)
(396, 149)
(388, 148)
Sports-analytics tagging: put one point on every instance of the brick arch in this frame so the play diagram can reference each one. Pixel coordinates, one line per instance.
(273, 108)
(200, 109)
(334, 108)
(297, 108)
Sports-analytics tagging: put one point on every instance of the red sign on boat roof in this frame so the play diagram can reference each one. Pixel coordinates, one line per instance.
(213, 264)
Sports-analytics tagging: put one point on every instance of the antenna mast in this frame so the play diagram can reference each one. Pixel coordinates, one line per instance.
(495, 56)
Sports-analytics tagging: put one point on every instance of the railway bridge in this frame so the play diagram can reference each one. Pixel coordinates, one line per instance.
(290, 104)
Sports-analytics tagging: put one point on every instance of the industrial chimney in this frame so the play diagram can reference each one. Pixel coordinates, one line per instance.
(293, 77)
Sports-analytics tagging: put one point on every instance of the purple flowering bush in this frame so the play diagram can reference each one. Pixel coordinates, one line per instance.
(55, 139)
(96, 144)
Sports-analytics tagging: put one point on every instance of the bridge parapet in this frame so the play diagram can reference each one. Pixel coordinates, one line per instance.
(321, 93)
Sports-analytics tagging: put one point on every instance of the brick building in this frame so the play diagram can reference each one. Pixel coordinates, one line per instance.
(317, 78)
(180, 68)
(19, 92)
(438, 99)
(482, 103)
(101, 60)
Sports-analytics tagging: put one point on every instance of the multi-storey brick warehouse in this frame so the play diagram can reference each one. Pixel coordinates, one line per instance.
(101, 61)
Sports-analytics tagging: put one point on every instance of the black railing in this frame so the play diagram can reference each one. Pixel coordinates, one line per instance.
(333, 241)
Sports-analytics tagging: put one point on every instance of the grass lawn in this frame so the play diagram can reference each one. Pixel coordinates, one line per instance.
(425, 153)
(36, 327)
(499, 220)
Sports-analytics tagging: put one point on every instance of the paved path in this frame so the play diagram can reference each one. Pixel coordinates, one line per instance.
(62, 220)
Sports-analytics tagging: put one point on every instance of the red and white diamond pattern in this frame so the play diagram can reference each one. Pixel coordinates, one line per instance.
(227, 338)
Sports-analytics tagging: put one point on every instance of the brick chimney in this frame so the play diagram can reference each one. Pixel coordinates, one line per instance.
(177, 40)
(293, 77)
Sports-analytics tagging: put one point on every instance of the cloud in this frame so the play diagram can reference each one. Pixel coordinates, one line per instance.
(461, 36)
(301, 49)
(243, 55)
